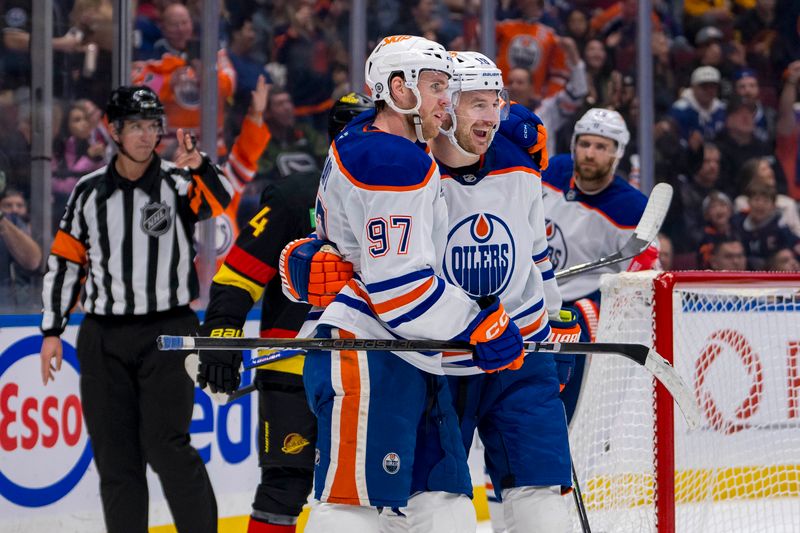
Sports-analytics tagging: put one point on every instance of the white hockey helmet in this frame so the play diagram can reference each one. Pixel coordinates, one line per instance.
(473, 71)
(409, 55)
(603, 123)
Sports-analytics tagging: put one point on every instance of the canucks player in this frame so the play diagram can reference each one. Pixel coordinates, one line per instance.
(386, 425)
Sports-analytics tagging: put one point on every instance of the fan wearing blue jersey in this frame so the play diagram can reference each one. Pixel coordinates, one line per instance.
(389, 452)
(591, 213)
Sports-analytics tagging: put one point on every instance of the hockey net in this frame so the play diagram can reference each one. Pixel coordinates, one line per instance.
(735, 340)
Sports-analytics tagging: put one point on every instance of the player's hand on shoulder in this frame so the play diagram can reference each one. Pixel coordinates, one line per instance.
(313, 271)
(525, 129)
(497, 340)
(219, 369)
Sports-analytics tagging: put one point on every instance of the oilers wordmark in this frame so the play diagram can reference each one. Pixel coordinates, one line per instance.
(480, 255)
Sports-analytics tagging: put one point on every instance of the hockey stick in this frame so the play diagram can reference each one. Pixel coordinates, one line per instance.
(578, 497)
(645, 233)
(192, 363)
(638, 353)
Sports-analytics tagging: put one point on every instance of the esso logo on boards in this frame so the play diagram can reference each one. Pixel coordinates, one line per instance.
(44, 445)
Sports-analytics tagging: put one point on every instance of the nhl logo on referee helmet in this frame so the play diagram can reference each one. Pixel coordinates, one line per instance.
(391, 463)
(156, 218)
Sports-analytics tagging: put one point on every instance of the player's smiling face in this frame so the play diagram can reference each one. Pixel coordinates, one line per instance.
(478, 113)
(594, 159)
(435, 98)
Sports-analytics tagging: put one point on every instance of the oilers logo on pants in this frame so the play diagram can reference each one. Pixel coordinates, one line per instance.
(480, 255)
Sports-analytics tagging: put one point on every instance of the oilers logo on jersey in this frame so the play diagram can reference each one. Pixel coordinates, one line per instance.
(480, 255)
(556, 244)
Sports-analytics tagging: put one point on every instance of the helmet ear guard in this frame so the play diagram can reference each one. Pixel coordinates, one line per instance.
(409, 56)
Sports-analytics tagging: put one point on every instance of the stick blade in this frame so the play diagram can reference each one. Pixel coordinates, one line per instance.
(666, 374)
(654, 213)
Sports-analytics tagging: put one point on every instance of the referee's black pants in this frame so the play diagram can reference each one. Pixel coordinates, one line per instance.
(138, 404)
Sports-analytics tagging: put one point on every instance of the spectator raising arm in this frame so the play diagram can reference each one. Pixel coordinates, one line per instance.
(22, 247)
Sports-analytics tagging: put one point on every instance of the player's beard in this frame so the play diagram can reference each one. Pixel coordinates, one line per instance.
(596, 174)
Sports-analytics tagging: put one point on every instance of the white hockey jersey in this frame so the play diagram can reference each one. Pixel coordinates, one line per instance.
(583, 227)
(496, 242)
(380, 202)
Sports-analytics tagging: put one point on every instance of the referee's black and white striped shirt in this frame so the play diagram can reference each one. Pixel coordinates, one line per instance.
(132, 240)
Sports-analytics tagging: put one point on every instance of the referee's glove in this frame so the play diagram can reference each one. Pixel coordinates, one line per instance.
(219, 369)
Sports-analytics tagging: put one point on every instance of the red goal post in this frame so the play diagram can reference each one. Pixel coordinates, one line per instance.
(735, 340)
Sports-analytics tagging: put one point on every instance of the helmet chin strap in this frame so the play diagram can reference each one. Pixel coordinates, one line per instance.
(450, 133)
(414, 111)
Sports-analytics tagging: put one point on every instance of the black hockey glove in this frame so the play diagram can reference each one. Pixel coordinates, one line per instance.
(219, 369)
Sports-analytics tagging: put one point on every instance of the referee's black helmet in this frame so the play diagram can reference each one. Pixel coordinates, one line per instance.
(134, 102)
(346, 109)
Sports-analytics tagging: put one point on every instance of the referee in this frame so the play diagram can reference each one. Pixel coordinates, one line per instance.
(127, 229)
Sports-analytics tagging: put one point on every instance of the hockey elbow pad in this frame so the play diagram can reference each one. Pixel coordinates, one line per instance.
(312, 271)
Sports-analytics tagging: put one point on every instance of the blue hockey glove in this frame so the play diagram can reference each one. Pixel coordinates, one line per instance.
(525, 129)
(565, 328)
(498, 343)
(312, 271)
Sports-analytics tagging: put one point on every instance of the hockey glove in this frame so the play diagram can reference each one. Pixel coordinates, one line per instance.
(498, 343)
(565, 328)
(219, 369)
(525, 129)
(312, 271)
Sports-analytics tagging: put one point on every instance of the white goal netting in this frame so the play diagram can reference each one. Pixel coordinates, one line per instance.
(736, 344)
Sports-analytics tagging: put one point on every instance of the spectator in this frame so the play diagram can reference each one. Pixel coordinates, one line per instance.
(518, 85)
(617, 27)
(758, 28)
(421, 19)
(727, 253)
(577, 27)
(527, 43)
(717, 212)
(82, 151)
(598, 71)
(177, 83)
(700, 13)
(783, 260)
(759, 170)
(243, 38)
(684, 223)
(746, 86)
(308, 56)
(737, 143)
(177, 29)
(787, 138)
(665, 252)
(15, 24)
(699, 113)
(293, 147)
(760, 230)
(20, 255)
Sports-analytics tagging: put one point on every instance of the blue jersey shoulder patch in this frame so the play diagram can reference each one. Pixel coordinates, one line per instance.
(375, 159)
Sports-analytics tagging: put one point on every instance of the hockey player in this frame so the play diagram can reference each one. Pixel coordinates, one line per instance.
(386, 424)
(499, 248)
(287, 429)
(591, 213)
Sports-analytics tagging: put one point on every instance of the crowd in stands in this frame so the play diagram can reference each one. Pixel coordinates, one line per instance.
(726, 75)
